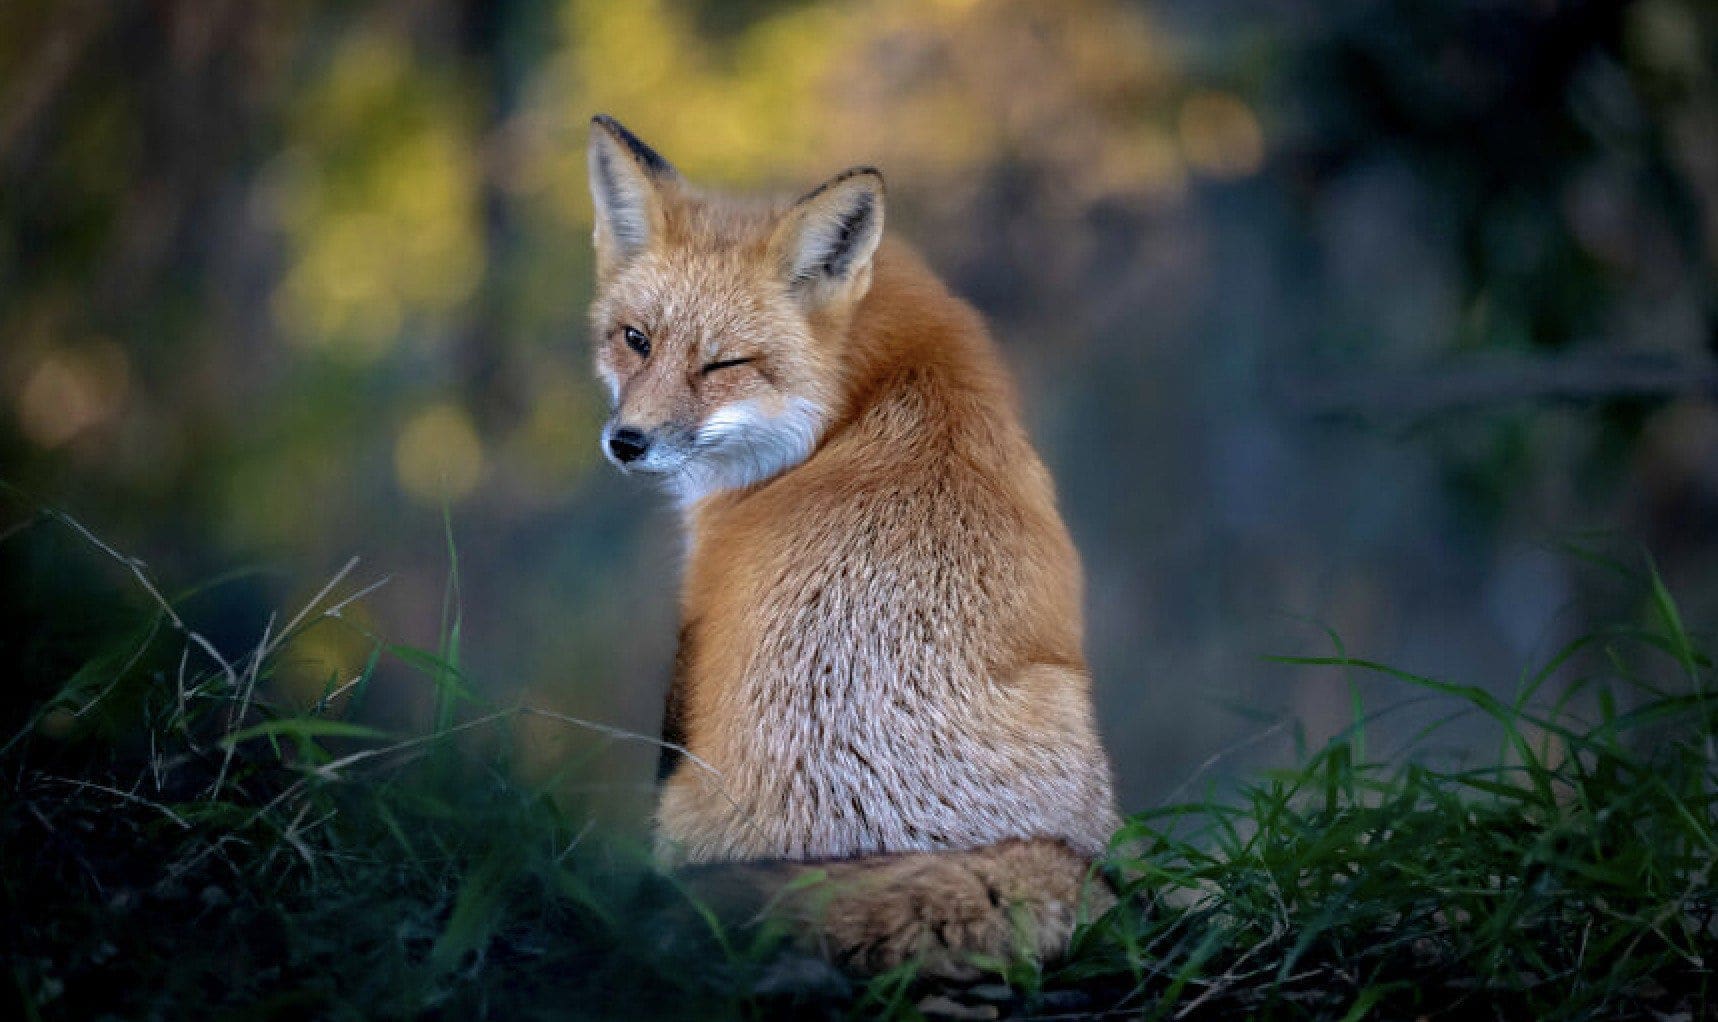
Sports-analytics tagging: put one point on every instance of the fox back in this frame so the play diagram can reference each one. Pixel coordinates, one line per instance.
(880, 650)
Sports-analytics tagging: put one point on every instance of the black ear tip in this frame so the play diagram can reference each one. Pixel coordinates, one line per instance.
(864, 171)
(645, 155)
(603, 124)
(846, 176)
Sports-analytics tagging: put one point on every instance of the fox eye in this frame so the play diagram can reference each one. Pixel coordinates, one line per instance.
(726, 363)
(636, 340)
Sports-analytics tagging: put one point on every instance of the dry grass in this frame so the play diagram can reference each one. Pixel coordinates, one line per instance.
(177, 844)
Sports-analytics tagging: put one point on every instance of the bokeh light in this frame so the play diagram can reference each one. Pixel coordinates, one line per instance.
(438, 456)
(69, 390)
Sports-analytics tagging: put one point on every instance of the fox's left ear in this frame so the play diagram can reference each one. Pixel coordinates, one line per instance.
(826, 240)
(627, 178)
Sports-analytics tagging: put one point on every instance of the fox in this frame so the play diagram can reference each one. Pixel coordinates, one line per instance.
(880, 724)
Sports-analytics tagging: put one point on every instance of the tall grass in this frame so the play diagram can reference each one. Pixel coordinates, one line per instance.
(178, 843)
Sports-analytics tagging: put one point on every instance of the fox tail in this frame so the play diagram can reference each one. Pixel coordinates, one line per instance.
(870, 914)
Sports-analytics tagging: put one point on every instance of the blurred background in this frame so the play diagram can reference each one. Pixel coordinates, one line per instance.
(1344, 316)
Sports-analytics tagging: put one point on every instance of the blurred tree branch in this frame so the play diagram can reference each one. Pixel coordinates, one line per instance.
(32, 89)
(1579, 379)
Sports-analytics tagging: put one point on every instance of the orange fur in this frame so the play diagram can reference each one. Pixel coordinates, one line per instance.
(881, 615)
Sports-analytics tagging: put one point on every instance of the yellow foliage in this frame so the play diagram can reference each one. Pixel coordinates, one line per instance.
(379, 196)
(932, 92)
(438, 455)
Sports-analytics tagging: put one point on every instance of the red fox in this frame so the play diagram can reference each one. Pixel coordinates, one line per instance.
(880, 673)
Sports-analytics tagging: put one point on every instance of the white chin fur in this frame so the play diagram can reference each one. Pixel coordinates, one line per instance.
(741, 444)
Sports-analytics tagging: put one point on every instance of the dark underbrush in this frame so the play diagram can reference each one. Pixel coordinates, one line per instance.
(177, 842)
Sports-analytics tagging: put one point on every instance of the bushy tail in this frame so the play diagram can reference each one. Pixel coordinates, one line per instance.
(940, 908)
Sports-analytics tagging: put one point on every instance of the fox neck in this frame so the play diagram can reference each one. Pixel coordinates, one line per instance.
(907, 320)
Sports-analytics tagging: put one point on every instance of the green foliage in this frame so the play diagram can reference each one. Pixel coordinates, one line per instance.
(1568, 880)
(220, 852)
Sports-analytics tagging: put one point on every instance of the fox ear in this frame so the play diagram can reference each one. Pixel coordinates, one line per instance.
(626, 180)
(826, 240)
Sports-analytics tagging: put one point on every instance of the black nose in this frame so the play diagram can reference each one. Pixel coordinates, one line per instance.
(628, 444)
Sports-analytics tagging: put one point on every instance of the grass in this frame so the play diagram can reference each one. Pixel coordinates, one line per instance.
(176, 842)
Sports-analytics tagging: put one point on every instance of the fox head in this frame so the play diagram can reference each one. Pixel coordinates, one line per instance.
(718, 320)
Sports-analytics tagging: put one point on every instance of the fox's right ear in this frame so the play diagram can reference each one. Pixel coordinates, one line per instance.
(626, 180)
